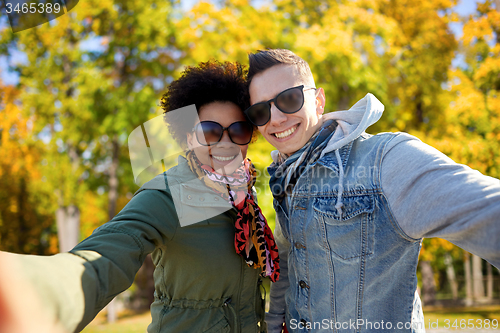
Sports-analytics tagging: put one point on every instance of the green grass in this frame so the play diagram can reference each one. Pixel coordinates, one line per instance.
(444, 317)
(126, 323)
(451, 318)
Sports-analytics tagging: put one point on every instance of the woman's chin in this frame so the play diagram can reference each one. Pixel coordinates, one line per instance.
(227, 167)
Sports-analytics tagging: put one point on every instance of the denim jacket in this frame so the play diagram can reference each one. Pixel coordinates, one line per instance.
(356, 272)
(341, 267)
(352, 268)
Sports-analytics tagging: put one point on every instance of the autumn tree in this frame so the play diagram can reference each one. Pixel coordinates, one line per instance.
(25, 220)
(88, 99)
(469, 128)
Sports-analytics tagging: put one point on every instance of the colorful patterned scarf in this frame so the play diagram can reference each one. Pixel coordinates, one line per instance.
(253, 238)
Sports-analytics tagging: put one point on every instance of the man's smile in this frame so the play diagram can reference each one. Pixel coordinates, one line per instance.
(286, 133)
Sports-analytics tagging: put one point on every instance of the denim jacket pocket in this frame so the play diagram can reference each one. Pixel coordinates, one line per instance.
(349, 235)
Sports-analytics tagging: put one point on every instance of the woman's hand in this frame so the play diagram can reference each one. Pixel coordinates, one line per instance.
(21, 310)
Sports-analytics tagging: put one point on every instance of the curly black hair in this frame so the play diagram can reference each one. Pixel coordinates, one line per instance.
(210, 81)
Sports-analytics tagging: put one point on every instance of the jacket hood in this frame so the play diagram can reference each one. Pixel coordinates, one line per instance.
(353, 122)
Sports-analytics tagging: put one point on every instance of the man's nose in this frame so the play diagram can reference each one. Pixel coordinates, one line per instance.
(277, 117)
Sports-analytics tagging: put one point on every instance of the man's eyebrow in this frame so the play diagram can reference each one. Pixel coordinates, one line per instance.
(279, 92)
(268, 99)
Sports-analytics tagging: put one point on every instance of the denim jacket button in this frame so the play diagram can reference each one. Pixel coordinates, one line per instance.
(299, 246)
(302, 284)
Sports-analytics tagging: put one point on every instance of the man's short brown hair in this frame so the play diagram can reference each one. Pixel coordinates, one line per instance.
(263, 60)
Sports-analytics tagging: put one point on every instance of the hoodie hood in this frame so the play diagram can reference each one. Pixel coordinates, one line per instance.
(353, 122)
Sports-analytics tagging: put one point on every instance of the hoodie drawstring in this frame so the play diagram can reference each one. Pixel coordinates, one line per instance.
(339, 203)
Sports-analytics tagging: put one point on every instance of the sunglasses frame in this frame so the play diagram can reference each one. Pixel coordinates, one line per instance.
(268, 104)
(195, 130)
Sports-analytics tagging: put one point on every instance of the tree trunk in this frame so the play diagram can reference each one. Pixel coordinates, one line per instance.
(113, 179)
(111, 308)
(477, 278)
(450, 273)
(428, 283)
(21, 200)
(68, 227)
(489, 283)
(68, 217)
(468, 279)
(112, 199)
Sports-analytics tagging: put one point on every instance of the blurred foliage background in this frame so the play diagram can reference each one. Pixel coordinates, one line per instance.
(89, 78)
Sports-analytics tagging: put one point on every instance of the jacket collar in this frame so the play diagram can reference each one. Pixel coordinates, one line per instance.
(329, 161)
(185, 187)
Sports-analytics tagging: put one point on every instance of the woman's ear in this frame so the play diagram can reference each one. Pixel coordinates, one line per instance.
(190, 140)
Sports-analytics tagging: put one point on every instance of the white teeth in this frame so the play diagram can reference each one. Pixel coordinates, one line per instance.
(286, 133)
(223, 158)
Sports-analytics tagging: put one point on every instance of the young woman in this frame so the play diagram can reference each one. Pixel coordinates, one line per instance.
(208, 270)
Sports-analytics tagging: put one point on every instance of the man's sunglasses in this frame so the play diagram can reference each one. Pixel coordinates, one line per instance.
(209, 133)
(288, 101)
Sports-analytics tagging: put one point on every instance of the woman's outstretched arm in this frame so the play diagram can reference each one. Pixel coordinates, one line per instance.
(73, 287)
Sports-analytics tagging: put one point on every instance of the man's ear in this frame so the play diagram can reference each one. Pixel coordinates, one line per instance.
(320, 101)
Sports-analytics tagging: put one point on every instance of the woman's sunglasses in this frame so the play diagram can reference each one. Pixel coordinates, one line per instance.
(288, 101)
(209, 133)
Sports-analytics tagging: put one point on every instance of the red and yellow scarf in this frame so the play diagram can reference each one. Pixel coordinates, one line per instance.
(253, 239)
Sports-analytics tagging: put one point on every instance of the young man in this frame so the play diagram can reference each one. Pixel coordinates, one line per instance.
(352, 208)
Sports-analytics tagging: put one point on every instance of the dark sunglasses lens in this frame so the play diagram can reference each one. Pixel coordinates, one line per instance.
(259, 114)
(241, 132)
(291, 100)
(208, 133)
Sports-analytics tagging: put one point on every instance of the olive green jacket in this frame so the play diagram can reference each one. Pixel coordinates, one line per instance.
(201, 284)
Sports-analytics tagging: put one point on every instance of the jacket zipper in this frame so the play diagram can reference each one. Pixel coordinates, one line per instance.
(262, 305)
